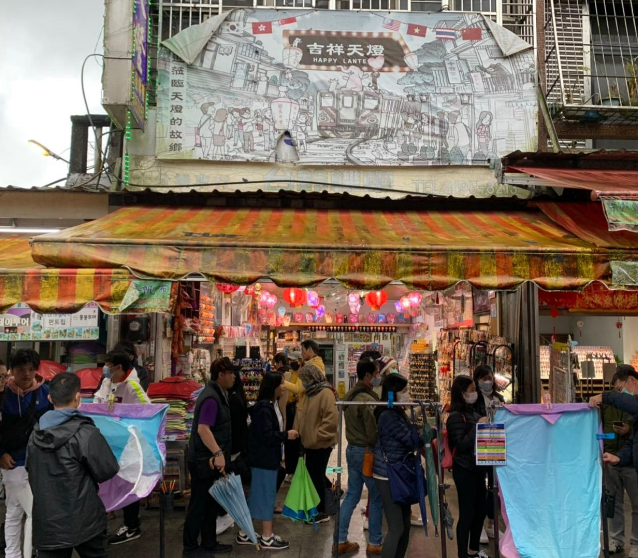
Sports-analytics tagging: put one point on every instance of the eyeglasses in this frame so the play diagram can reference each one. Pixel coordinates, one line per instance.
(3, 377)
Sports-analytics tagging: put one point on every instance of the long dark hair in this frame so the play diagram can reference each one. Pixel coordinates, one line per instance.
(239, 387)
(271, 381)
(482, 371)
(393, 383)
(460, 385)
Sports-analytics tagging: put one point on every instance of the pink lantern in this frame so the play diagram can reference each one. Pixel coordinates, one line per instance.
(398, 307)
(354, 309)
(415, 299)
(354, 299)
(313, 299)
(405, 302)
(354, 318)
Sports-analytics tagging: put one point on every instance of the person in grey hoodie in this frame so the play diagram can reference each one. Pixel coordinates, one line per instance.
(67, 458)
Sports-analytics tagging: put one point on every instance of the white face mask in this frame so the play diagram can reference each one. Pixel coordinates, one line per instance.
(486, 387)
(470, 397)
(403, 397)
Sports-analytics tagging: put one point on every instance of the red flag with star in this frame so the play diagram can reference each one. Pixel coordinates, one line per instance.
(261, 27)
(471, 34)
(417, 30)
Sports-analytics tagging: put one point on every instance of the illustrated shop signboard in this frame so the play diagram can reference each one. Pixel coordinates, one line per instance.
(20, 323)
(348, 88)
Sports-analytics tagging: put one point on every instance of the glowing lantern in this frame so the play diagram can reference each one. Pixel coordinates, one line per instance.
(405, 302)
(320, 311)
(415, 299)
(376, 299)
(294, 297)
(313, 299)
(398, 307)
(226, 288)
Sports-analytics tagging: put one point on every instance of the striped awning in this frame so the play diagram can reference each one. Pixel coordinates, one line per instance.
(52, 291)
(428, 250)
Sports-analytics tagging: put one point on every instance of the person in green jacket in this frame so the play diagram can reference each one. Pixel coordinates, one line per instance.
(621, 479)
(361, 433)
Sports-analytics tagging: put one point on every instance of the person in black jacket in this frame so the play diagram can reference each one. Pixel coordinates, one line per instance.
(238, 411)
(67, 457)
(208, 454)
(267, 437)
(470, 480)
(397, 439)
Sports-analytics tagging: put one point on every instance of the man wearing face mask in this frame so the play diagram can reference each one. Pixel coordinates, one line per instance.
(361, 434)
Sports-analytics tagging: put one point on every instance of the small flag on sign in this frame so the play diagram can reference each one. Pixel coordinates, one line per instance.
(261, 27)
(287, 21)
(471, 34)
(391, 24)
(417, 30)
(445, 34)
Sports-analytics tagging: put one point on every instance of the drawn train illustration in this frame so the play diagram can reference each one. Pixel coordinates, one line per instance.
(349, 114)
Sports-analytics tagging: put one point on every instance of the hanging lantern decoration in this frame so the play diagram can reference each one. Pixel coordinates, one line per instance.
(411, 60)
(619, 325)
(292, 55)
(227, 288)
(376, 299)
(320, 311)
(272, 300)
(354, 309)
(405, 303)
(354, 299)
(294, 297)
(398, 307)
(313, 299)
(415, 300)
(580, 325)
(285, 111)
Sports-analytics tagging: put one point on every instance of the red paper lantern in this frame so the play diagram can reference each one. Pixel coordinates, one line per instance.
(376, 299)
(227, 288)
(294, 297)
(554, 312)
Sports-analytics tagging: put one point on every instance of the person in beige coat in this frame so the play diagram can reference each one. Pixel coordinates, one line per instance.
(317, 421)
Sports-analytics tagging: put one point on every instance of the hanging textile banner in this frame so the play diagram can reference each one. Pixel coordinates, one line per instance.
(622, 215)
(551, 485)
(345, 88)
(135, 434)
(594, 297)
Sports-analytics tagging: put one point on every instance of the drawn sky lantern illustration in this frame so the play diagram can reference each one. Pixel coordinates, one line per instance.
(284, 109)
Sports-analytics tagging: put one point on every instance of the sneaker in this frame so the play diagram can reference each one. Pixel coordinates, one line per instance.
(484, 537)
(321, 518)
(243, 540)
(125, 535)
(615, 548)
(416, 523)
(346, 548)
(374, 549)
(490, 530)
(223, 523)
(481, 554)
(273, 543)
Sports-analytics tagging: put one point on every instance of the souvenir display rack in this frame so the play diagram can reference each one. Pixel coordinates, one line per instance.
(423, 376)
(251, 375)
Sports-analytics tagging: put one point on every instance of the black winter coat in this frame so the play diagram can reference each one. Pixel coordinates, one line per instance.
(461, 436)
(65, 464)
(396, 437)
(266, 437)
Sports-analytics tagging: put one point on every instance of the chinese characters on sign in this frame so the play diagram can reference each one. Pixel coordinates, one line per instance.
(177, 92)
(22, 324)
(139, 61)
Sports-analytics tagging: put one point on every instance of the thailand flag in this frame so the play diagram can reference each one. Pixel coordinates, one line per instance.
(391, 24)
(445, 34)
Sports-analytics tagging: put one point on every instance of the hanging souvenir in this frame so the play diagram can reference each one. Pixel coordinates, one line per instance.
(376, 299)
(313, 299)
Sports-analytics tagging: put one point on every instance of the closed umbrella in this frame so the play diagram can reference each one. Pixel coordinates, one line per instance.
(302, 499)
(421, 480)
(431, 474)
(228, 492)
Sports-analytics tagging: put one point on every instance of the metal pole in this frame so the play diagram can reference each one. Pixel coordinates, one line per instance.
(161, 518)
(442, 486)
(495, 492)
(337, 518)
(557, 53)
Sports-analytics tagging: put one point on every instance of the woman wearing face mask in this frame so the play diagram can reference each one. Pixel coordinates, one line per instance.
(487, 396)
(470, 480)
(397, 438)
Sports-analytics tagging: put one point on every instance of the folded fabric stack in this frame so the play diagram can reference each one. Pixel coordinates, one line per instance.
(176, 392)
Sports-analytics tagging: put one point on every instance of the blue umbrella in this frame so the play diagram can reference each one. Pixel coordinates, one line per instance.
(228, 492)
(421, 479)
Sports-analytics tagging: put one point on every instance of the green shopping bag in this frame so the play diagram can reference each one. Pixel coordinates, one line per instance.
(302, 499)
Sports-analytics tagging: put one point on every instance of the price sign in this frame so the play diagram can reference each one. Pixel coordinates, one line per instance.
(491, 444)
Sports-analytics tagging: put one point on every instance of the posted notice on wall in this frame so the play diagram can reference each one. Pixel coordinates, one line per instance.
(491, 444)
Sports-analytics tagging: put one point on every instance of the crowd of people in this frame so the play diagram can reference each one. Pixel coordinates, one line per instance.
(43, 435)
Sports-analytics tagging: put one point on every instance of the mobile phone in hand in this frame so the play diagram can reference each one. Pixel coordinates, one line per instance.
(618, 423)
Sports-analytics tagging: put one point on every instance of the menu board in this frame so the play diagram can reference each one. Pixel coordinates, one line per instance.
(20, 323)
(491, 444)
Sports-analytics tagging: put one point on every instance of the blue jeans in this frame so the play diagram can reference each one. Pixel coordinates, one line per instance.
(354, 457)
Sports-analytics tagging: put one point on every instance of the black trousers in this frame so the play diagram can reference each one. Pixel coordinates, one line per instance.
(131, 515)
(316, 461)
(202, 512)
(292, 447)
(397, 538)
(490, 500)
(471, 494)
(93, 548)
